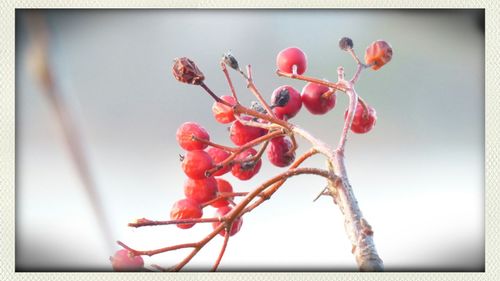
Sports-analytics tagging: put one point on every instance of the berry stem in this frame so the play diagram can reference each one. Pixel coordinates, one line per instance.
(353, 101)
(229, 81)
(213, 95)
(333, 85)
(146, 222)
(223, 147)
(253, 88)
(244, 147)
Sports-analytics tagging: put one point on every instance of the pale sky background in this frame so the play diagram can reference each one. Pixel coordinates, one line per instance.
(418, 176)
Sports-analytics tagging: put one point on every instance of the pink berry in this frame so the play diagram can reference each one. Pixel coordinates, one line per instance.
(241, 134)
(200, 191)
(243, 168)
(363, 120)
(185, 135)
(315, 101)
(277, 152)
(222, 186)
(235, 226)
(286, 102)
(290, 57)
(196, 163)
(223, 113)
(186, 209)
(218, 155)
(124, 260)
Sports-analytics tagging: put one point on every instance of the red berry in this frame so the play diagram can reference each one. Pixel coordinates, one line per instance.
(222, 186)
(218, 155)
(278, 152)
(289, 57)
(186, 209)
(235, 226)
(241, 134)
(286, 101)
(196, 163)
(245, 170)
(200, 191)
(185, 135)
(363, 120)
(379, 52)
(223, 113)
(315, 101)
(124, 260)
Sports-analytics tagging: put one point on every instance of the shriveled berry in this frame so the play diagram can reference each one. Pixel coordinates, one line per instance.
(222, 186)
(315, 100)
(218, 155)
(186, 209)
(245, 168)
(241, 134)
(186, 71)
(223, 113)
(363, 120)
(290, 57)
(286, 102)
(235, 226)
(185, 135)
(196, 163)
(278, 152)
(379, 53)
(200, 191)
(124, 260)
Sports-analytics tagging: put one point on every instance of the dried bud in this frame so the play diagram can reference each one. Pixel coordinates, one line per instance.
(231, 61)
(186, 71)
(346, 43)
(257, 107)
(282, 98)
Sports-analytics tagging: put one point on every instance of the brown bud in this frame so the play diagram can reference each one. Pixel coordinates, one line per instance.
(186, 71)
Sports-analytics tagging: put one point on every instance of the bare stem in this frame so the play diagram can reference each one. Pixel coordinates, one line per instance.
(146, 222)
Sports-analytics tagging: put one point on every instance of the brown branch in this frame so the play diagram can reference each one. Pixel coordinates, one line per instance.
(223, 248)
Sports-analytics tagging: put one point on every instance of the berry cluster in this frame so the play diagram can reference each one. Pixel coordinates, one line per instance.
(259, 129)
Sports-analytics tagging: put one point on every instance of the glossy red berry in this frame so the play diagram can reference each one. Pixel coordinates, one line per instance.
(244, 168)
(196, 163)
(290, 57)
(223, 113)
(314, 99)
(124, 260)
(186, 209)
(363, 120)
(185, 135)
(277, 152)
(286, 102)
(241, 134)
(222, 186)
(218, 155)
(200, 191)
(379, 53)
(235, 226)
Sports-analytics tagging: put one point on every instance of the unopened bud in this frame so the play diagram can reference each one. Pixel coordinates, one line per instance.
(186, 71)
(346, 43)
(231, 61)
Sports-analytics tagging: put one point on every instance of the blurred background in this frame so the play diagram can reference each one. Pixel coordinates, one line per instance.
(418, 176)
